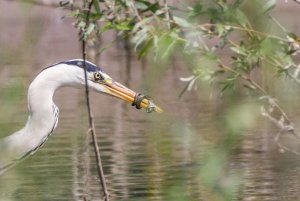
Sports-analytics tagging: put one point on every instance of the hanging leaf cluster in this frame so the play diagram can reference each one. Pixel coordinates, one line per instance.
(200, 32)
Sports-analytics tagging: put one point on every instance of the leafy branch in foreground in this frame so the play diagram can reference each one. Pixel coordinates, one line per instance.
(251, 50)
(233, 45)
(202, 33)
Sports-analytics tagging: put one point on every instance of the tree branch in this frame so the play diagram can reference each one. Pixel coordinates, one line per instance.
(91, 121)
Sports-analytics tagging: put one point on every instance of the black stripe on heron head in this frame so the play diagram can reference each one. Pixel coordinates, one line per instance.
(79, 62)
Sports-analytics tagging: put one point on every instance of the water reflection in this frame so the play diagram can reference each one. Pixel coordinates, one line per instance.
(145, 157)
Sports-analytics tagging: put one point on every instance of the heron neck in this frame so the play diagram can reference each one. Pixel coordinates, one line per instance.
(42, 119)
(43, 114)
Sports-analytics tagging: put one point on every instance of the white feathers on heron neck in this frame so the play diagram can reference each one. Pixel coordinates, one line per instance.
(43, 113)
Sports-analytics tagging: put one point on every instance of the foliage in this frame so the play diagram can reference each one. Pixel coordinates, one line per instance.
(203, 30)
(229, 44)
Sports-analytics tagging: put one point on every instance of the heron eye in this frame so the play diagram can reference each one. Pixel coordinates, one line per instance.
(98, 77)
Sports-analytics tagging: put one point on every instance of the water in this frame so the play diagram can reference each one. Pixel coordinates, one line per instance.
(141, 158)
(145, 156)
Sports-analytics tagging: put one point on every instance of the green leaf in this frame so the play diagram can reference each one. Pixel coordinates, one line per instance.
(97, 7)
(123, 26)
(169, 48)
(81, 25)
(227, 85)
(141, 5)
(145, 6)
(238, 50)
(292, 35)
(95, 16)
(140, 37)
(196, 10)
(241, 18)
(267, 47)
(220, 30)
(105, 27)
(153, 8)
(145, 49)
(90, 29)
(249, 86)
(74, 14)
(182, 22)
(269, 6)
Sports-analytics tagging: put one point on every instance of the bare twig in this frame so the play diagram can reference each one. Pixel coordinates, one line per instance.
(280, 123)
(91, 121)
(243, 29)
(284, 123)
(282, 147)
(256, 85)
(167, 14)
(135, 10)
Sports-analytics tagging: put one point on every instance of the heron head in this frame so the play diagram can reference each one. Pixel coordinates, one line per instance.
(100, 82)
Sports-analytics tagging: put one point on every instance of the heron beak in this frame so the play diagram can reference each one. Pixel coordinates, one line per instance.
(140, 101)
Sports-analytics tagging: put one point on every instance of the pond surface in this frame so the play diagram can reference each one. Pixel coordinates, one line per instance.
(145, 156)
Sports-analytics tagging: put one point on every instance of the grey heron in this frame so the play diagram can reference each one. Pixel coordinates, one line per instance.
(43, 113)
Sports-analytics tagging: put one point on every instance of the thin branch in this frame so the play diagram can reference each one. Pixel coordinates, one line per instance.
(247, 30)
(168, 18)
(91, 121)
(280, 66)
(279, 123)
(135, 10)
(282, 125)
(283, 147)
